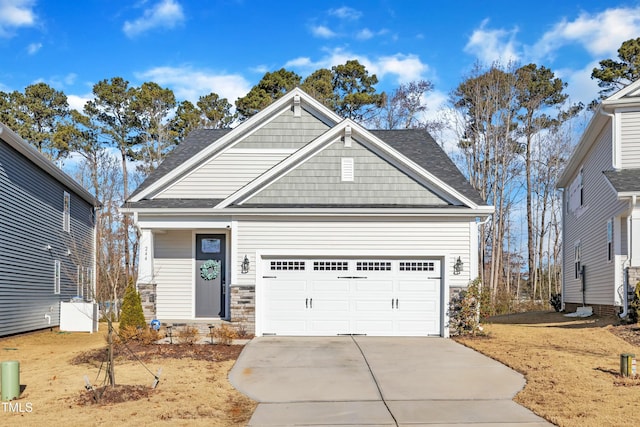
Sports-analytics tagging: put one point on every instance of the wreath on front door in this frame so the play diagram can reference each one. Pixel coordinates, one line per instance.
(210, 269)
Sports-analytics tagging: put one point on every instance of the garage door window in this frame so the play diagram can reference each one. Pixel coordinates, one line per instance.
(373, 266)
(417, 266)
(287, 265)
(331, 265)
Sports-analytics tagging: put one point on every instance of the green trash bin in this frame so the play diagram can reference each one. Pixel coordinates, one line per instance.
(10, 381)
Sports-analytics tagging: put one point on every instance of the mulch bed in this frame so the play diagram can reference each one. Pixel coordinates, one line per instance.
(630, 333)
(109, 395)
(145, 352)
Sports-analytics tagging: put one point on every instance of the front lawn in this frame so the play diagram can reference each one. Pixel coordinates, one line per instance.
(571, 366)
(193, 388)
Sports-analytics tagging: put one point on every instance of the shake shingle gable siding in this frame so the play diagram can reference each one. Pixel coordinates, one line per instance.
(416, 144)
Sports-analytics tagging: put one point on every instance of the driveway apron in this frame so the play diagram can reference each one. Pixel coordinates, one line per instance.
(377, 381)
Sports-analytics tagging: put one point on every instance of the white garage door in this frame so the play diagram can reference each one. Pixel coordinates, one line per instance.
(352, 296)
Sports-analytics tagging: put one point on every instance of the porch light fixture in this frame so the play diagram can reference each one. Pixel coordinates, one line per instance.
(457, 267)
(245, 265)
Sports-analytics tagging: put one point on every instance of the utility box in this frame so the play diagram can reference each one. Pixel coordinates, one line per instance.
(627, 364)
(78, 317)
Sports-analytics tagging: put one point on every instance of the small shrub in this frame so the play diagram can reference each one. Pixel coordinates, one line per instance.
(188, 335)
(464, 310)
(556, 302)
(132, 314)
(144, 336)
(634, 306)
(224, 334)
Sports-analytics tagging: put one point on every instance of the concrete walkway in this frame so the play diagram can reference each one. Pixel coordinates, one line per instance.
(377, 381)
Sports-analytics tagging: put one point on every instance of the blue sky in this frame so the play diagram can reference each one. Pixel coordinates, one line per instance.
(225, 46)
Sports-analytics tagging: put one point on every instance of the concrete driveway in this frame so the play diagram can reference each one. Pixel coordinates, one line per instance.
(377, 381)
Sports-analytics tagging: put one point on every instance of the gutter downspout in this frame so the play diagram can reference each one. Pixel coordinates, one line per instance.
(625, 281)
(481, 259)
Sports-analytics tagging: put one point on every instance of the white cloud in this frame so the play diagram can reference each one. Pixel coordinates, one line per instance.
(16, 14)
(77, 102)
(346, 13)
(600, 34)
(190, 84)
(364, 34)
(580, 86)
(404, 68)
(164, 14)
(33, 48)
(322, 32)
(490, 45)
(407, 68)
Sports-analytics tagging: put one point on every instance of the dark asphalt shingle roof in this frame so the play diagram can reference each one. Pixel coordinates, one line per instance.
(625, 180)
(416, 144)
(173, 203)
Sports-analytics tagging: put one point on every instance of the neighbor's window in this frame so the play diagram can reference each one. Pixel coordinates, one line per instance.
(581, 184)
(610, 239)
(56, 277)
(66, 215)
(576, 260)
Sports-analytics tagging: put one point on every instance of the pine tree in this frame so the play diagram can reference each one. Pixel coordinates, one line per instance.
(132, 314)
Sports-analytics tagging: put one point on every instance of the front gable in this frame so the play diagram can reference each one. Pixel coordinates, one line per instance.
(323, 180)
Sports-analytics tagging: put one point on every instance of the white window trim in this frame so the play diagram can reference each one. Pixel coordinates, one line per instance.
(66, 212)
(56, 277)
(576, 259)
(610, 240)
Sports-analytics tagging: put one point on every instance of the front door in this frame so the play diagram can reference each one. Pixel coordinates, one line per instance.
(210, 271)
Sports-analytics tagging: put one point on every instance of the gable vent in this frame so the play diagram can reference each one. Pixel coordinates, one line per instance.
(347, 169)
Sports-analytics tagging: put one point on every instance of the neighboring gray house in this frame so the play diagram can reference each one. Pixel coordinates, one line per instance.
(46, 238)
(300, 222)
(601, 215)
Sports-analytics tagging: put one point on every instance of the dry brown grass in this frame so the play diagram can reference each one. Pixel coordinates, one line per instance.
(571, 366)
(191, 392)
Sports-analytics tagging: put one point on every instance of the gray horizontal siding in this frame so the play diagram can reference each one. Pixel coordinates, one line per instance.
(222, 176)
(590, 228)
(173, 272)
(325, 236)
(31, 211)
(318, 181)
(286, 131)
(630, 139)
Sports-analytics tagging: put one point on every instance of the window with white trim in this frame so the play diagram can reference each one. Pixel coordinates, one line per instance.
(66, 213)
(610, 239)
(581, 187)
(576, 260)
(56, 277)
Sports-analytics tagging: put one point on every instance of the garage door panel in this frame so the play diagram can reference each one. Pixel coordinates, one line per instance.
(372, 297)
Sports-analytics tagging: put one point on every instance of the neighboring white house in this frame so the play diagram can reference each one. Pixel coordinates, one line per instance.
(601, 215)
(300, 222)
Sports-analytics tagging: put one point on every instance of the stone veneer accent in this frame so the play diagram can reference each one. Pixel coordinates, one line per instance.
(147, 293)
(243, 308)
